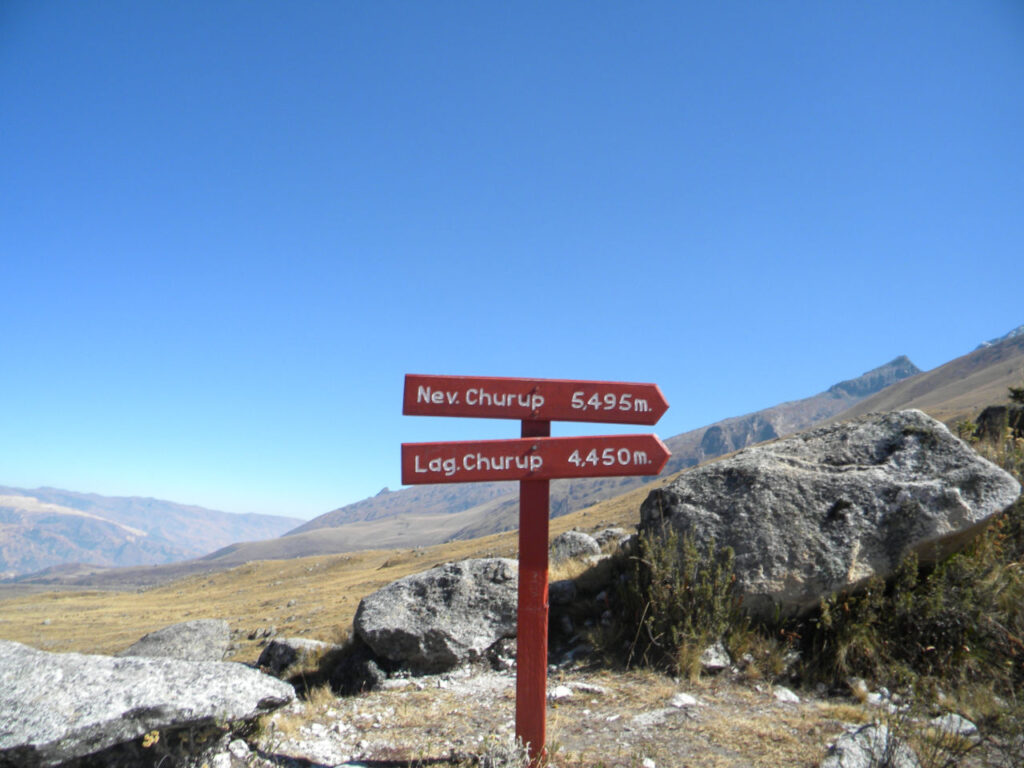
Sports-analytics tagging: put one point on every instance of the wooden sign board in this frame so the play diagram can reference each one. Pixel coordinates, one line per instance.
(533, 460)
(539, 458)
(609, 402)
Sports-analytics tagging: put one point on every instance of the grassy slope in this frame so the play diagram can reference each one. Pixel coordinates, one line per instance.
(326, 590)
(957, 390)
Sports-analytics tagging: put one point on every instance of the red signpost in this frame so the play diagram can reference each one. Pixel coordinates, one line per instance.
(533, 460)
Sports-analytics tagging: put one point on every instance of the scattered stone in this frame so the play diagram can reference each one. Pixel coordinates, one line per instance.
(594, 690)
(573, 545)
(715, 658)
(648, 763)
(239, 749)
(91, 703)
(683, 700)
(827, 509)
(952, 724)
(560, 692)
(449, 615)
(654, 717)
(282, 654)
(610, 535)
(785, 696)
(858, 688)
(199, 640)
(870, 746)
(502, 654)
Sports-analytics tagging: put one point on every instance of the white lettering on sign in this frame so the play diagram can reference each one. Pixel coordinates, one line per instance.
(436, 396)
(609, 402)
(448, 466)
(480, 463)
(531, 400)
(609, 457)
(477, 462)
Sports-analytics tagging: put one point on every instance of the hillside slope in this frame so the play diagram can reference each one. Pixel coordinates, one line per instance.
(960, 388)
(49, 527)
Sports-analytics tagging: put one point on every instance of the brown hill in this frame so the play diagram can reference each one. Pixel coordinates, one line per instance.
(48, 527)
(961, 388)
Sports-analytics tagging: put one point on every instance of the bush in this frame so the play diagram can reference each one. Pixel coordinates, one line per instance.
(672, 601)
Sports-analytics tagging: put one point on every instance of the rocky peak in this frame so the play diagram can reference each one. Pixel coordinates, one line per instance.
(1015, 333)
(876, 379)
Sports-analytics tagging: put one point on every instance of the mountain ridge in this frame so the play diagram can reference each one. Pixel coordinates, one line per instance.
(43, 528)
(492, 507)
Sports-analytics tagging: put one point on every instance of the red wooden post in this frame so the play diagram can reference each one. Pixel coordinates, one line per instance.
(535, 402)
(532, 634)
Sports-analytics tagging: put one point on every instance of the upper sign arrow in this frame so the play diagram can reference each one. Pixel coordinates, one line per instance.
(613, 402)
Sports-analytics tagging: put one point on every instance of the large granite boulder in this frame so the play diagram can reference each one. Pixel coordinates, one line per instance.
(199, 640)
(829, 508)
(55, 708)
(439, 619)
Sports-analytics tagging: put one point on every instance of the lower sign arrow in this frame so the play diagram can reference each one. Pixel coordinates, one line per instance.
(540, 458)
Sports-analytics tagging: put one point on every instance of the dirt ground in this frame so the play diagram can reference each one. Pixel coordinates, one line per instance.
(624, 720)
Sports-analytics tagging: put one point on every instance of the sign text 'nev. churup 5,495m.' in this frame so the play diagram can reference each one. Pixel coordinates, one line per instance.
(610, 402)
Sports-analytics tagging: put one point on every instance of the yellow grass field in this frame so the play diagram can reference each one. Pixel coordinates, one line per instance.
(313, 597)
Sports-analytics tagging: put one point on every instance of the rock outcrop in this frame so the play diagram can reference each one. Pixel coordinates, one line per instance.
(282, 654)
(436, 620)
(199, 640)
(572, 545)
(58, 707)
(868, 746)
(829, 508)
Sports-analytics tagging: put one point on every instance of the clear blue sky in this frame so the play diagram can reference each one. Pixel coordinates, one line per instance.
(227, 229)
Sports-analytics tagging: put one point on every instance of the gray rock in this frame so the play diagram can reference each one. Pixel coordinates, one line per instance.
(715, 658)
(439, 619)
(610, 535)
(560, 692)
(573, 545)
(827, 509)
(951, 724)
(57, 707)
(785, 696)
(282, 654)
(684, 700)
(868, 747)
(199, 640)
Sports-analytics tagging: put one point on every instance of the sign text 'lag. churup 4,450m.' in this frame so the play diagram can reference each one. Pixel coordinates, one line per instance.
(537, 458)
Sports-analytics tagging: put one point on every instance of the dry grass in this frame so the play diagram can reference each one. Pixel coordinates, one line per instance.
(324, 592)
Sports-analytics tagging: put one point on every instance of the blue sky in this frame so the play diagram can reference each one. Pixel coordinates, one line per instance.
(227, 230)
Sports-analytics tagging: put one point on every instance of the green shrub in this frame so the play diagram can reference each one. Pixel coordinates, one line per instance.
(672, 601)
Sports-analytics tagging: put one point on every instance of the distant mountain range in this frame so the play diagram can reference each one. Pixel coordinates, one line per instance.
(48, 527)
(424, 515)
(961, 388)
(433, 514)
